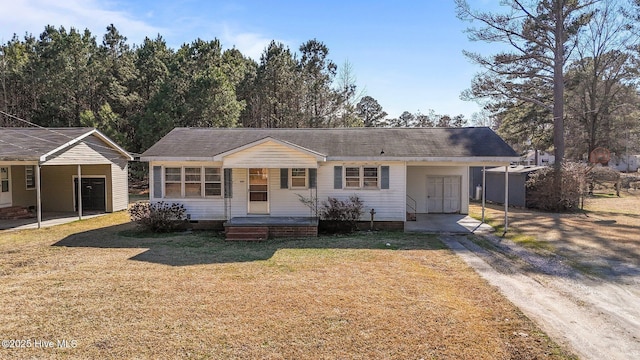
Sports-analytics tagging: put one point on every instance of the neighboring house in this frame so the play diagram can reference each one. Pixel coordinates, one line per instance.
(518, 176)
(543, 158)
(40, 168)
(625, 163)
(220, 174)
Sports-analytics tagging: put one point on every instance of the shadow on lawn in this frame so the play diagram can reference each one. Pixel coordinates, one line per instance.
(209, 247)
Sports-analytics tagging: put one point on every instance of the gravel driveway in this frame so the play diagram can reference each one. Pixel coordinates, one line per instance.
(596, 317)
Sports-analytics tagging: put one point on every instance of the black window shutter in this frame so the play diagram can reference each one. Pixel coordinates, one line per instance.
(384, 181)
(337, 177)
(313, 178)
(228, 183)
(157, 182)
(284, 178)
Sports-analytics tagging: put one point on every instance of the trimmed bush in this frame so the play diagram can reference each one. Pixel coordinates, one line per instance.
(341, 215)
(159, 217)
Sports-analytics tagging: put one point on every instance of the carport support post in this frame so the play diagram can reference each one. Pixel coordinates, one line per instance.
(79, 197)
(484, 191)
(38, 197)
(506, 198)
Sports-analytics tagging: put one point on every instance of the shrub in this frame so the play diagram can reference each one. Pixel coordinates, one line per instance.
(343, 214)
(545, 192)
(159, 217)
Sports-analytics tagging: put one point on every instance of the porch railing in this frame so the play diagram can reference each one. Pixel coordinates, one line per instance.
(412, 205)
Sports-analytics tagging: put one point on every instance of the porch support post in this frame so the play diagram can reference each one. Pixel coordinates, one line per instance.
(38, 197)
(79, 197)
(506, 198)
(484, 186)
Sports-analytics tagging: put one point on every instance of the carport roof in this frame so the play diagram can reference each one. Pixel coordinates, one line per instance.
(35, 144)
(339, 143)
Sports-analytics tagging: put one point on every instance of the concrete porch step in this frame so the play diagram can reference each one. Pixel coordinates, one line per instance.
(246, 233)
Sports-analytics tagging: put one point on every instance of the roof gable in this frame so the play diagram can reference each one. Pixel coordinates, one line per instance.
(39, 144)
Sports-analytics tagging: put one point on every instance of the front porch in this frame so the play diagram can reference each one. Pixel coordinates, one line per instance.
(257, 228)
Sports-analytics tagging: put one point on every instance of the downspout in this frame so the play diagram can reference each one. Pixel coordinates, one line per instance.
(506, 199)
(484, 186)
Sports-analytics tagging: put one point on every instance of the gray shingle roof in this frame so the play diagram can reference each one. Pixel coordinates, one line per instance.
(18, 143)
(341, 142)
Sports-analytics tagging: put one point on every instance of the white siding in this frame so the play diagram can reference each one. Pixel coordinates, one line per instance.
(119, 187)
(285, 202)
(417, 184)
(270, 154)
(389, 204)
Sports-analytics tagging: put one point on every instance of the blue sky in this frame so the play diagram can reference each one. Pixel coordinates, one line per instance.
(407, 54)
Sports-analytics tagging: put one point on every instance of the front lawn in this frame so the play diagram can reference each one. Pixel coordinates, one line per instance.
(121, 294)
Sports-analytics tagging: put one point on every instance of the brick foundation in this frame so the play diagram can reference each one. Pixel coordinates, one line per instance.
(293, 231)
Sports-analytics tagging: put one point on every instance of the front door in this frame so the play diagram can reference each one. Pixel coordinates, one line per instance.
(5, 186)
(443, 194)
(258, 191)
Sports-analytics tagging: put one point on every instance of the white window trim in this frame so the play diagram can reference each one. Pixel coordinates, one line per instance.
(26, 177)
(306, 179)
(361, 177)
(183, 182)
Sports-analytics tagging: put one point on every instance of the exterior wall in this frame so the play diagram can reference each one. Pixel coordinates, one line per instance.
(119, 187)
(58, 188)
(417, 184)
(517, 188)
(389, 204)
(21, 195)
(272, 155)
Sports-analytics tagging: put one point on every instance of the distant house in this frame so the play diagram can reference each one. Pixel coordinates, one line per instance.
(56, 169)
(625, 163)
(222, 174)
(543, 158)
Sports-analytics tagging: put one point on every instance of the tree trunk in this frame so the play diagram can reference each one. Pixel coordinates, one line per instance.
(558, 87)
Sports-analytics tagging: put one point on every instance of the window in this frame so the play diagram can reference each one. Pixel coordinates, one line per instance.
(365, 177)
(196, 182)
(352, 177)
(370, 178)
(298, 178)
(172, 182)
(192, 182)
(212, 182)
(30, 177)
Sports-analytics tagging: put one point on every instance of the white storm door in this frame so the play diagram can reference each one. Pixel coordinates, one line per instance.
(258, 191)
(5, 186)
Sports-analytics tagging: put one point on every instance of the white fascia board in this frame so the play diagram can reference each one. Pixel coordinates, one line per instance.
(179, 158)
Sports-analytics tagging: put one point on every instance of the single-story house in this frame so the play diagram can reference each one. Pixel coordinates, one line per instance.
(45, 169)
(225, 174)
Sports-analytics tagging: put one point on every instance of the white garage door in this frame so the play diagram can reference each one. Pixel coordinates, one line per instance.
(443, 194)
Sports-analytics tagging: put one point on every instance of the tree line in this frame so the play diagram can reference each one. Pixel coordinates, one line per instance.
(567, 78)
(135, 94)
